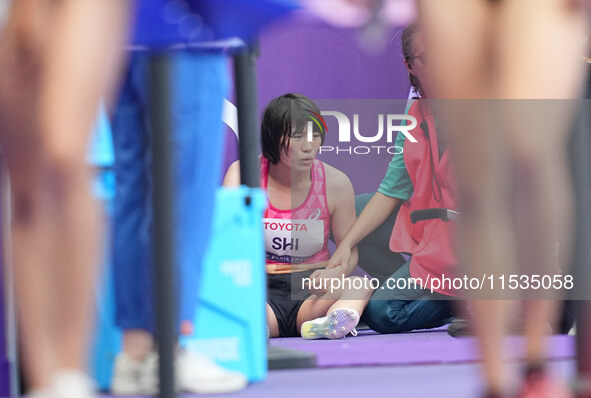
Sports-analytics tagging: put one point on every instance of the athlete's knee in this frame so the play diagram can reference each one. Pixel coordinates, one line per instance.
(65, 169)
(23, 207)
(529, 174)
(472, 198)
(24, 187)
(358, 288)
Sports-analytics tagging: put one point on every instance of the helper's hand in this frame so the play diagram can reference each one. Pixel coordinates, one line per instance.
(340, 257)
(320, 280)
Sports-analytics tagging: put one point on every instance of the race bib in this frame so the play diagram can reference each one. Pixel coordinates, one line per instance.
(292, 241)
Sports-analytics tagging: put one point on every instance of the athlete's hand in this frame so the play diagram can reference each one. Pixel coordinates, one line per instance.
(320, 280)
(340, 257)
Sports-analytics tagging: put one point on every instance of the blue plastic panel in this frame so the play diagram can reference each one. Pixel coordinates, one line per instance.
(229, 324)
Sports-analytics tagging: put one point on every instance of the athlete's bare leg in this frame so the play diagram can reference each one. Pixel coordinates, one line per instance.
(503, 61)
(530, 31)
(58, 58)
(461, 68)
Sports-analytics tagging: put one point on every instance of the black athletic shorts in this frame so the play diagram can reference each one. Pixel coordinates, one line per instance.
(285, 296)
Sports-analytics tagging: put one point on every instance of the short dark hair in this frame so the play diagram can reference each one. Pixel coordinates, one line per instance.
(283, 116)
(408, 49)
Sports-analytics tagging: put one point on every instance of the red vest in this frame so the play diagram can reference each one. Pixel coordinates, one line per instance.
(430, 242)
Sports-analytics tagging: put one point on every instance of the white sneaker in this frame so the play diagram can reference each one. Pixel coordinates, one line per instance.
(199, 375)
(131, 377)
(335, 325)
(149, 383)
(40, 393)
(71, 384)
(66, 383)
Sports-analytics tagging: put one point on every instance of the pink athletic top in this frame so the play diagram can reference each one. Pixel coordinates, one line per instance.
(297, 237)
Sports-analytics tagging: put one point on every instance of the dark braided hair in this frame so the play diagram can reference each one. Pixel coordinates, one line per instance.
(408, 50)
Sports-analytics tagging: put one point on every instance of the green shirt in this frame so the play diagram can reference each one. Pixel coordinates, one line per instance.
(397, 182)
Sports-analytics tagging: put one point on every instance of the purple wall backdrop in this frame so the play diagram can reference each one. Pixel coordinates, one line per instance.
(305, 55)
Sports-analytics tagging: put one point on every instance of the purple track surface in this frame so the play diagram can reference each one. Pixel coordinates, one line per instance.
(439, 381)
(416, 348)
(421, 364)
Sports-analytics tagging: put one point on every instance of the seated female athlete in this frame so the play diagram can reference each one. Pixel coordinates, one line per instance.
(308, 200)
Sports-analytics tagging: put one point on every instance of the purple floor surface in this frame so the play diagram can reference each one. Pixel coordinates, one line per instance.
(421, 347)
(421, 364)
(426, 381)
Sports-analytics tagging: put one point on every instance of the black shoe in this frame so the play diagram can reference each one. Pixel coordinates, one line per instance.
(459, 327)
